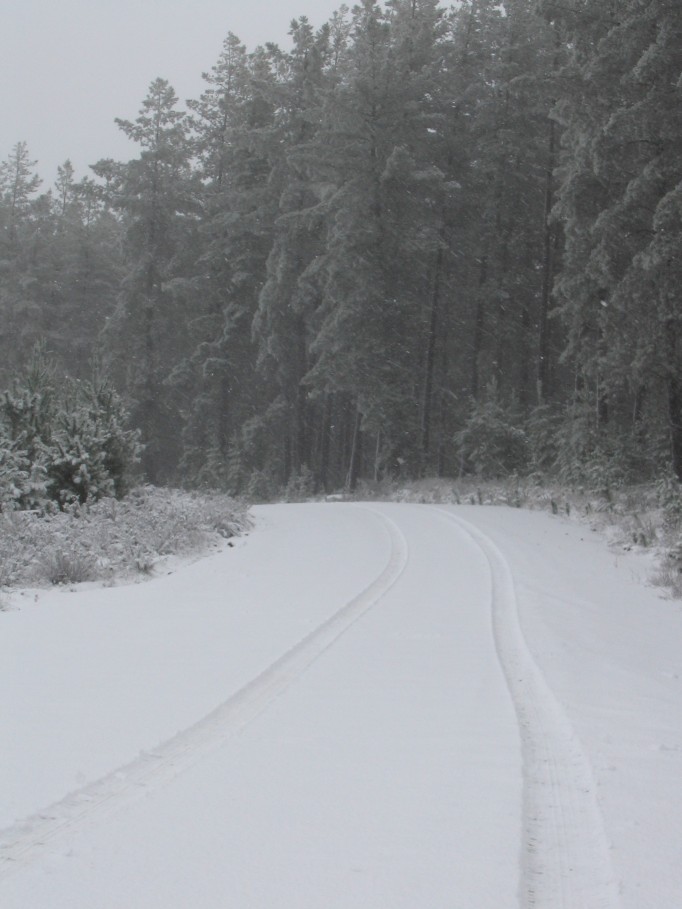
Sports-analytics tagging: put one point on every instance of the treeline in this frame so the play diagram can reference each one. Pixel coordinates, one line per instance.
(420, 241)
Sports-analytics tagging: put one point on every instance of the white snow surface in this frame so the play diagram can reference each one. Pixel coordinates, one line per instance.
(381, 706)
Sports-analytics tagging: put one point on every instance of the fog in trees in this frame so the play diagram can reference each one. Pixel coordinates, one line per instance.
(421, 241)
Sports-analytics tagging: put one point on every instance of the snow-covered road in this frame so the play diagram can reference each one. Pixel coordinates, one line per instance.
(371, 706)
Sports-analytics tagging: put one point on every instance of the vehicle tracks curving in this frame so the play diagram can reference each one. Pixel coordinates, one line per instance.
(565, 854)
(22, 842)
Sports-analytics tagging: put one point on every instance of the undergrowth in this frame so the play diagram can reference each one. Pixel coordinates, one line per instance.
(112, 539)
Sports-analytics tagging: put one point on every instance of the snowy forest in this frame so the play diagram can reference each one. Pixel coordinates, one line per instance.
(422, 241)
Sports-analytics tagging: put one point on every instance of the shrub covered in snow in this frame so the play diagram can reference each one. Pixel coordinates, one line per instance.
(112, 539)
(63, 441)
(493, 441)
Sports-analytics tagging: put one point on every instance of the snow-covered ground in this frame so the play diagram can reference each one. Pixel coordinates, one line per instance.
(356, 707)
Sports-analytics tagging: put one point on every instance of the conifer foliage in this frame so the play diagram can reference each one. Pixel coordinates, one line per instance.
(424, 239)
(63, 441)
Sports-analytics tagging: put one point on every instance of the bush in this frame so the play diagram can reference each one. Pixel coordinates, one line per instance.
(75, 467)
(22, 484)
(112, 538)
(601, 457)
(669, 495)
(63, 441)
(261, 487)
(300, 487)
(542, 428)
(62, 567)
(493, 442)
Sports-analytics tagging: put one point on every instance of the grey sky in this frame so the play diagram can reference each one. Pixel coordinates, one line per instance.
(67, 68)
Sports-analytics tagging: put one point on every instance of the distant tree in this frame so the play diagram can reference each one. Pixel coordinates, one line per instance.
(156, 196)
(232, 127)
(420, 240)
(18, 183)
(291, 294)
(20, 230)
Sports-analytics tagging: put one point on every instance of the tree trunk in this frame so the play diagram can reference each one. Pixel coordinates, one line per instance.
(224, 415)
(443, 378)
(355, 454)
(287, 460)
(344, 439)
(478, 329)
(300, 428)
(675, 419)
(674, 391)
(325, 443)
(524, 378)
(547, 271)
(377, 455)
(427, 394)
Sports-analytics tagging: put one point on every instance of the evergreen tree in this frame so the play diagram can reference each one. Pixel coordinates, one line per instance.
(345, 260)
(290, 295)
(621, 170)
(84, 269)
(156, 196)
(18, 183)
(62, 440)
(20, 235)
(367, 305)
(93, 453)
(232, 123)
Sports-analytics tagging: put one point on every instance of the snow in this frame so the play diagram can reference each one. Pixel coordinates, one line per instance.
(355, 706)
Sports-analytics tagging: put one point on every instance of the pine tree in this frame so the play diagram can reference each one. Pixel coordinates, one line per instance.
(80, 270)
(156, 196)
(290, 295)
(232, 124)
(620, 173)
(637, 259)
(93, 453)
(21, 312)
(364, 309)
(18, 183)
(63, 440)
(27, 414)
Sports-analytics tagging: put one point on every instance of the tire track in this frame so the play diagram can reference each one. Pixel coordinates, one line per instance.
(565, 854)
(24, 841)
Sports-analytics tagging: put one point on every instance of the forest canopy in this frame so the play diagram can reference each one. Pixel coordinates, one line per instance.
(423, 240)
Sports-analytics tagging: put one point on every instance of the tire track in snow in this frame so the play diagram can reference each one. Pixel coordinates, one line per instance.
(565, 854)
(26, 840)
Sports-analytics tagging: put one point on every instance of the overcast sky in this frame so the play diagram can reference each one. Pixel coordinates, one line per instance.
(68, 67)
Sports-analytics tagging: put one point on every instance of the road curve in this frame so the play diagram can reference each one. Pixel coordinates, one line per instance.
(18, 844)
(407, 752)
